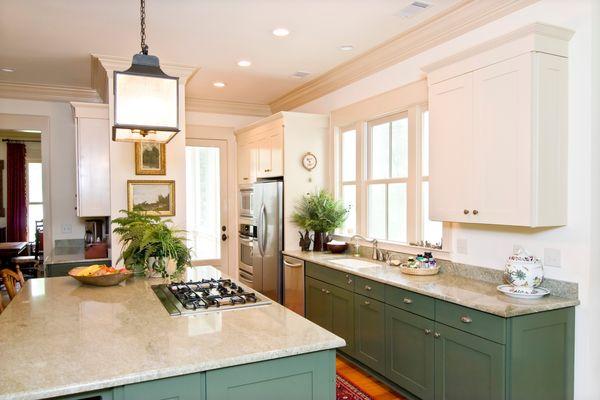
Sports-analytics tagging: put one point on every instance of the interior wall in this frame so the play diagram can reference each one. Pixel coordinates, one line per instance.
(59, 163)
(491, 245)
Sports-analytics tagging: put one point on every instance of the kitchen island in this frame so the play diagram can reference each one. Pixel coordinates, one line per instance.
(61, 338)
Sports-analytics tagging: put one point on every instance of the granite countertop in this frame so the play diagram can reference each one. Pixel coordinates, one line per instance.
(60, 337)
(468, 292)
(71, 257)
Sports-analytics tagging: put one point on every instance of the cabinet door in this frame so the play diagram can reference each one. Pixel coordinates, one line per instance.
(184, 387)
(276, 140)
(467, 367)
(244, 163)
(93, 169)
(369, 337)
(502, 138)
(98, 395)
(318, 303)
(264, 156)
(451, 149)
(410, 351)
(342, 316)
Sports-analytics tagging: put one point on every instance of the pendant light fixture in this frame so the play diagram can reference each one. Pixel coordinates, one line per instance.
(146, 99)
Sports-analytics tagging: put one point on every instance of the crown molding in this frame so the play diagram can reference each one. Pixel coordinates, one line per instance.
(227, 107)
(453, 22)
(32, 91)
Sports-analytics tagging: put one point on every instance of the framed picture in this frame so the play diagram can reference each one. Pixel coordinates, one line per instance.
(150, 158)
(151, 197)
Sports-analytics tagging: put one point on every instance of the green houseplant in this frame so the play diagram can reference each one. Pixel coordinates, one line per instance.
(151, 245)
(321, 213)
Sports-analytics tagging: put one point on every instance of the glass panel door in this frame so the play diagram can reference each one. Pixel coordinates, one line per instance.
(206, 201)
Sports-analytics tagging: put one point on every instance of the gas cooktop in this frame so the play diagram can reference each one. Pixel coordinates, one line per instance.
(206, 295)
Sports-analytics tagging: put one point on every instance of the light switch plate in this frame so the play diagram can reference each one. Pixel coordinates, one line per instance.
(461, 246)
(552, 258)
(67, 228)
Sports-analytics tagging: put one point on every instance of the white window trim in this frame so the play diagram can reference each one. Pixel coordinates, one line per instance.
(414, 181)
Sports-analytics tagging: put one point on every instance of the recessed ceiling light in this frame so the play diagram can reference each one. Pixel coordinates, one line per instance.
(346, 47)
(412, 9)
(281, 32)
(7, 69)
(219, 84)
(300, 74)
(244, 63)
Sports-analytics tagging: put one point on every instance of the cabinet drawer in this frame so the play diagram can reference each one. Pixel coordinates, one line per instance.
(476, 322)
(410, 301)
(329, 275)
(369, 288)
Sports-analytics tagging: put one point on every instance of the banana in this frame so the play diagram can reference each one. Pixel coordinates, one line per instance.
(89, 271)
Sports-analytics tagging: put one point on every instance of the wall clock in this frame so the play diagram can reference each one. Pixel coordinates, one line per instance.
(309, 161)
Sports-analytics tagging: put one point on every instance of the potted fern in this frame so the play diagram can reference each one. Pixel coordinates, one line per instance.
(150, 245)
(321, 213)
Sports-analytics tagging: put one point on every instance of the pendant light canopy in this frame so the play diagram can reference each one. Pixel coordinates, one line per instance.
(146, 99)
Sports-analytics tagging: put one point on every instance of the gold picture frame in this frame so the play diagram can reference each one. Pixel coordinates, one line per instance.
(152, 197)
(150, 158)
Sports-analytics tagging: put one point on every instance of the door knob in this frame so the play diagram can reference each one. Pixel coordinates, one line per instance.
(224, 237)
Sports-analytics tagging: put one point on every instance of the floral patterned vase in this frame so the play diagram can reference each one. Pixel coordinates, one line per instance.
(524, 270)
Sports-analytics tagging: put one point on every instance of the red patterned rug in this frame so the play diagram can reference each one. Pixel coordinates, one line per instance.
(345, 390)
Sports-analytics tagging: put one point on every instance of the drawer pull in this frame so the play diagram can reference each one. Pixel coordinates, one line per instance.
(406, 300)
(367, 287)
(367, 302)
(466, 319)
(427, 331)
(437, 335)
(327, 292)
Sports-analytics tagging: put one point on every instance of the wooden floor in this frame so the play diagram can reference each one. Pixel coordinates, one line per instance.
(365, 382)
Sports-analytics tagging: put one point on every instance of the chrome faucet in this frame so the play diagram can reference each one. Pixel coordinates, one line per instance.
(377, 254)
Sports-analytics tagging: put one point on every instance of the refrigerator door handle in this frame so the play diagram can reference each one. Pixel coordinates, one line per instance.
(263, 212)
(261, 230)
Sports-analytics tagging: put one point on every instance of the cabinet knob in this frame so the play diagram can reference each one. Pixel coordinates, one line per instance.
(427, 331)
(475, 212)
(367, 287)
(437, 335)
(327, 292)
(466, 319)
(367, 302)
(323, 290)
(267, 170)
(406, 300)
(465, 211)
(245, 179)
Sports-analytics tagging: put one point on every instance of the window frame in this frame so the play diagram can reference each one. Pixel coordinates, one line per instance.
(414, 181)
(29, 202)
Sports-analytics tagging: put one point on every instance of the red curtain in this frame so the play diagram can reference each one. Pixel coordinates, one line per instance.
(16, 191)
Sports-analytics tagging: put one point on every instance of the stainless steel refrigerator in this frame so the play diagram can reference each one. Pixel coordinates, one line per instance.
(266, 260)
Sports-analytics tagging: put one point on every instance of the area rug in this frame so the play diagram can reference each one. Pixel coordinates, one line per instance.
(345, 390)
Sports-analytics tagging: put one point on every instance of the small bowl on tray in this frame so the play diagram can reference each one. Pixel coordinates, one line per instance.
(110, 279)
(337, 247)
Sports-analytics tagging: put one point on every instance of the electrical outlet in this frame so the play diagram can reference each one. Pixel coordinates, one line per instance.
(67, 228)
(552, 258)
(461, 246)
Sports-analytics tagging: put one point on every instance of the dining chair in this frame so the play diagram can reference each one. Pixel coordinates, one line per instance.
(11, 280)
(32, 264)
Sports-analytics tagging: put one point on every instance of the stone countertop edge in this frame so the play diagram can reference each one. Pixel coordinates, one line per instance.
(150, 375)
(496, 303)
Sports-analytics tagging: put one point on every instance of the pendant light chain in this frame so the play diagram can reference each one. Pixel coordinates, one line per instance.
(143, 26)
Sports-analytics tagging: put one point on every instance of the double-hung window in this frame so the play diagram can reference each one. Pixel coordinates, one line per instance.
(383, 179)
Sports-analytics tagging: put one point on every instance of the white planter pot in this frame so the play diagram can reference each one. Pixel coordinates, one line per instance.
(152, 262)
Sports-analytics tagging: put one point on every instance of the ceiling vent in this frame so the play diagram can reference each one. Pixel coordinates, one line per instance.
(412, 9)
(300, 74)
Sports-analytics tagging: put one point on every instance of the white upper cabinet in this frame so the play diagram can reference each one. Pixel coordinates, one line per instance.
(498, 136)
(92, 163)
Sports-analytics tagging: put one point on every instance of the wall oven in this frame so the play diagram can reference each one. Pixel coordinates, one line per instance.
(247, 238)
(246, 203)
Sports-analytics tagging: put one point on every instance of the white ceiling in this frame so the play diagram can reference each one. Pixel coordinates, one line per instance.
(50, 42)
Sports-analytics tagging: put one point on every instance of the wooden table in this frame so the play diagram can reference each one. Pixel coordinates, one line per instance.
(9, 250)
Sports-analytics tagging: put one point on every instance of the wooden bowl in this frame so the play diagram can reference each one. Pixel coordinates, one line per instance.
(102, 280)
(419, 271)
(337, 248)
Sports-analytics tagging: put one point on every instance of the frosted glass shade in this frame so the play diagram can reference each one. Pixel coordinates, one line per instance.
(146, 105)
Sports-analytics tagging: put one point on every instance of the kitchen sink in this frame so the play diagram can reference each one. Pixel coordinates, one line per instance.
(353, 263)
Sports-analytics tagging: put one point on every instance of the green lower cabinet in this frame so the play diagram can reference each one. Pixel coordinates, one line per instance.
(467, 367)
(318, 304)
(310, 376)
(369, 332)
(184, 387)
(96, 395)
(410, 355)
(342, 317)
